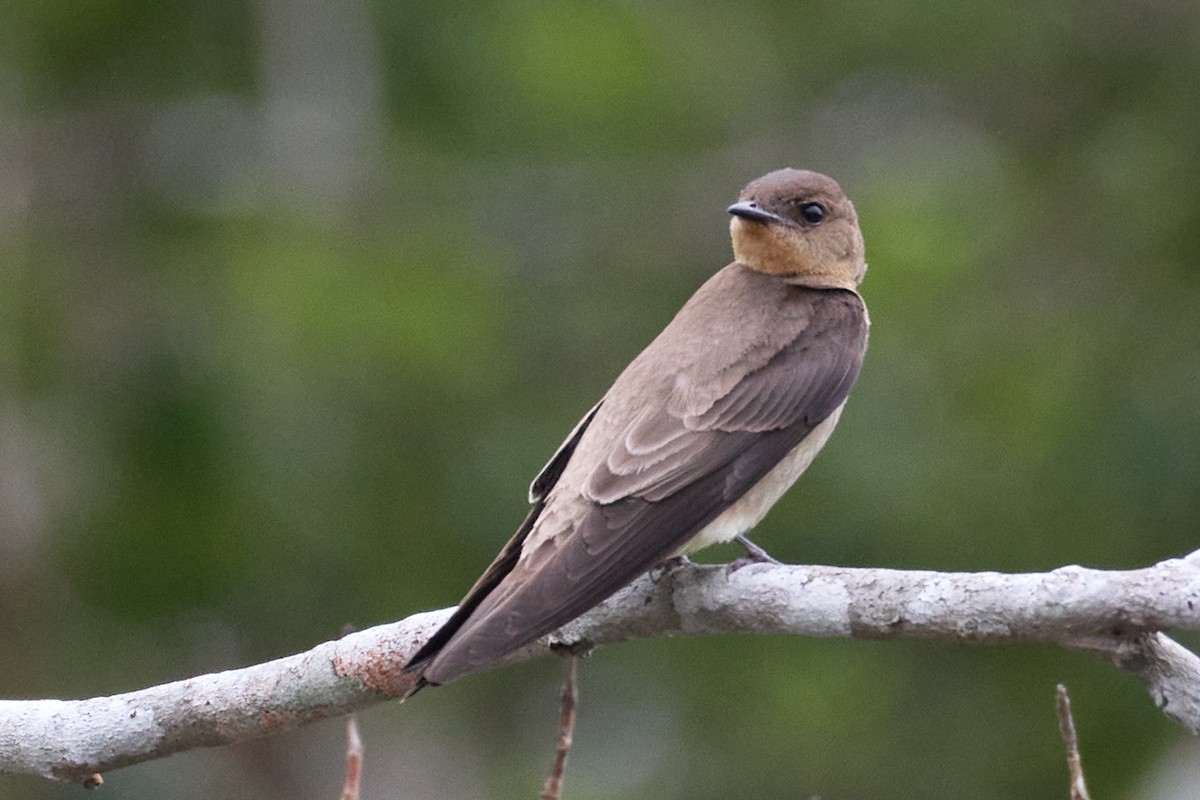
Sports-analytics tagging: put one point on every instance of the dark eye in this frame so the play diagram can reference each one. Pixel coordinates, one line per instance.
(812, 213)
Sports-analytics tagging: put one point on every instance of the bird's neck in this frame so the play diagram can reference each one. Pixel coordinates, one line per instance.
(783, 252)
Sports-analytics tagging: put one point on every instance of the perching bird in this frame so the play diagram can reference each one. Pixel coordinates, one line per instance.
(697, 438)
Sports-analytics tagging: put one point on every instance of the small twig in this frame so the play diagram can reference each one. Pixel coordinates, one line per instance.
(1066, 728)
(354, 759)
(566, 732)
(354, 746)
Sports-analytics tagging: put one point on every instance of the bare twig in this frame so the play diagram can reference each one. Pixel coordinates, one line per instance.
(1066, 728)
(1168, 670)
(566, 731)
(354, 747)
(354, 759)
(1117, 615)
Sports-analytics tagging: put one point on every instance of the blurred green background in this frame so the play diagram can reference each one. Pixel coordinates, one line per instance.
(297, 295)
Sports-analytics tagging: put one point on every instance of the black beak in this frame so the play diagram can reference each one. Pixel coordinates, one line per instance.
(751, 211)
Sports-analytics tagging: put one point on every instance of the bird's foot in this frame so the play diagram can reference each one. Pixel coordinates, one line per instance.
(667, 566)
(577, 649)
(754, 555)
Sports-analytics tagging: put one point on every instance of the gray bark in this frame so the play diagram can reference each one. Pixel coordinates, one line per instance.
(1119, 616)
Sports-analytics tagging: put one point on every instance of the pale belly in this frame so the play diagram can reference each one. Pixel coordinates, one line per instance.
(749, 510)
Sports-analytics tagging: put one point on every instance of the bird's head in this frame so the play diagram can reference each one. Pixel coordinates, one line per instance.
(799, 225)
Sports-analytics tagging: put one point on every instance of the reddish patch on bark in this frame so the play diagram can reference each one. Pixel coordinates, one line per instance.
(379, 670)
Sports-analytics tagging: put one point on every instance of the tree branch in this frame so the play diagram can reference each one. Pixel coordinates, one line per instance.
(1117, 615)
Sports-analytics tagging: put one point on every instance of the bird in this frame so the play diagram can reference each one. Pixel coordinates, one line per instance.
(696, 439)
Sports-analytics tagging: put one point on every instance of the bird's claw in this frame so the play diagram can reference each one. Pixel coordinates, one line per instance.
(667, 566)
(754, 555)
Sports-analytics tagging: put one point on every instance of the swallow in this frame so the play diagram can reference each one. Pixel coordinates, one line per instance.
(698, 437)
